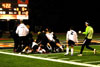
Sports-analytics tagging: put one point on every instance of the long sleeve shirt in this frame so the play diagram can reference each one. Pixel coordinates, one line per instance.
(22, 30)
(88, 32)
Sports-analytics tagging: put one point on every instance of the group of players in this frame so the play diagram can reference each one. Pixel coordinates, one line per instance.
(71, 38)
(47, 41)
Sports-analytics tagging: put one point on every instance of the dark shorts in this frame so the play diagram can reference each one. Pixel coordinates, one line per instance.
(87, 41)
(70, 42)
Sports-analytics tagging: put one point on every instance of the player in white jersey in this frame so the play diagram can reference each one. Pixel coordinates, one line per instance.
(22, 32)
(71, 38)
(53, 41)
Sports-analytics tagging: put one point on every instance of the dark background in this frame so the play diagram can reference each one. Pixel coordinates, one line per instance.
(59, 15)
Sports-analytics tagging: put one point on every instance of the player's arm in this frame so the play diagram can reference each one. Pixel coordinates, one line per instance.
(76, 39)
(17, 30)
(26, 28)
(86, 31)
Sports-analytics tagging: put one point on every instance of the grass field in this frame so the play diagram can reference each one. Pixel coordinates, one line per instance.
(10, 59)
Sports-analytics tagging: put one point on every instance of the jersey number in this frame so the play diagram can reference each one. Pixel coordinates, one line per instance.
(71, 33)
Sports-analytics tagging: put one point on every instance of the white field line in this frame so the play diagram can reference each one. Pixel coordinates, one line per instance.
(54, 60)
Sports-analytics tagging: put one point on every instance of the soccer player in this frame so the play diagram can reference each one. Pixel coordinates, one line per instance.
(71, 38)
(42, 40)
(88, 37)
(53, 41)
(22, 32)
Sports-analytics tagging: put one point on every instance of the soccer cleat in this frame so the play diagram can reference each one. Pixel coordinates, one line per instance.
(80, 55)
(94, 51)
(65, 54)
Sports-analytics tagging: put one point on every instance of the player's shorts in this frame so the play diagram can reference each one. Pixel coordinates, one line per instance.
(70, 42)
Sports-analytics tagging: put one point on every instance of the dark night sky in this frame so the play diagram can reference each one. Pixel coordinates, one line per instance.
(60, 15)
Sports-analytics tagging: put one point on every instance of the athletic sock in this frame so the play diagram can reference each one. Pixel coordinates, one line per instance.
(23, 50)
(61, 47)
(72, 51)
(67, 50)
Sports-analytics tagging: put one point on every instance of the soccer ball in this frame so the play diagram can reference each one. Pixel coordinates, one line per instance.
(79, 32)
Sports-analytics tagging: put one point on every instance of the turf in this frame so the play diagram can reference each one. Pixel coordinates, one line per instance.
(88, 56)
(16, 61)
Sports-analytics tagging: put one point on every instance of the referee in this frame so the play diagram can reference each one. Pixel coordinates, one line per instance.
(88, 37)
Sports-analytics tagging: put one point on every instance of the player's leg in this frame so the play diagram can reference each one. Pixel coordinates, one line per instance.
(59, 45)
(67, 47)
(72, 50)
(19, 45)
(72, 47)
(82, 48)
(25, 49)
(67, 50)
(88, 43)
(39, 47)
(53, 45)
(88, 47)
